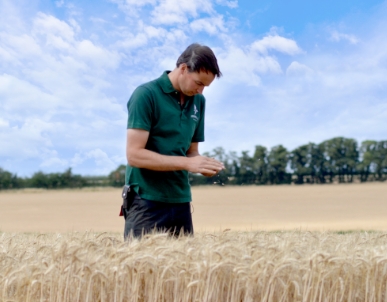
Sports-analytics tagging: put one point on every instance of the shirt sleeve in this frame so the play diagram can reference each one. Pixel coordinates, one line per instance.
(199, 132)
(140, 109)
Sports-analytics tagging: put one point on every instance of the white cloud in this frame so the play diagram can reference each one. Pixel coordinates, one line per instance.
(171, 12)
(132, 7)
(176, 36)
(22, 45)
(75, 25)
(101, 158)
(337, 37)
(25, 141)
(97, 55)
(6, 56)
(61, 36)
(52, 161)
(297, 69)
(212, 25)
(22, 96)
(238, 67)
(11, 20)
(277, 43)
(139, 3)
(98, 20)
(155, 32)
(101, 162)
(52, 28)
(230, 4)
(131, 41)
(244, 66)
(59, 3)
(4, 123)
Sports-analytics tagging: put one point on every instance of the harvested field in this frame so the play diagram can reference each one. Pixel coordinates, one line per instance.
(228, 266)
(307, 207)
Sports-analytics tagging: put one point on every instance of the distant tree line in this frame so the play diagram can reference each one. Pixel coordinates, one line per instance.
(42, 180)
(338, 159)
(61, 180)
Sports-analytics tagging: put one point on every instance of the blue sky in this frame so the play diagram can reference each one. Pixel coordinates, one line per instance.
(293, 72)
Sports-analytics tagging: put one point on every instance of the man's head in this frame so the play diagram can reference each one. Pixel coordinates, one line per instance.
(197, 67)
(199, 58)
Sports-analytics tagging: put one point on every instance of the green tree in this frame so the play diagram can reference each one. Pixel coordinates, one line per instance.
(117, 177)
(39, 180)
(300, 163)
(57, 180)
(366, 163)
(342, 157)
(380, 160)
(317, 163)
(9, 180)
(233, 167)
(308, 160)
(73, 180)
(260, 165)
(278, 161)
(246, 174)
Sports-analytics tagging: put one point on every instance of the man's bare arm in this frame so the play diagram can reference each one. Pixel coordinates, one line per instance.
(193, 150)
(140, 157)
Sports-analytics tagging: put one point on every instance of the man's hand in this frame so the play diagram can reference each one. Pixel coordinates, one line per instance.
(202, 164)
(205, 165)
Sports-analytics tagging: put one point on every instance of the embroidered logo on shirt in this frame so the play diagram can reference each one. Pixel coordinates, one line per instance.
(195, 110)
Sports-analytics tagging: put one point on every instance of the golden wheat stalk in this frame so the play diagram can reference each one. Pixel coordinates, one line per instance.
(232, 266)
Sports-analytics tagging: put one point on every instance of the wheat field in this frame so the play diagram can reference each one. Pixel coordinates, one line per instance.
(284, 243)
(226, 266)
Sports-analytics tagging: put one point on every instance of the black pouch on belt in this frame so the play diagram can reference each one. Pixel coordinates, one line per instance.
(126, 200)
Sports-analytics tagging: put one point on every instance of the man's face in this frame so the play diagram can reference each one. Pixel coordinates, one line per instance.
(192, 83)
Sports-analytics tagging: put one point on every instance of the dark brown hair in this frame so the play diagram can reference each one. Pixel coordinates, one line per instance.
(199, 58)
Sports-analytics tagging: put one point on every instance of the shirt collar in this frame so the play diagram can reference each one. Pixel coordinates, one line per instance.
(165, 83)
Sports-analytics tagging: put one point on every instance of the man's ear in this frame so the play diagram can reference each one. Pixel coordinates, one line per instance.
(183, 67)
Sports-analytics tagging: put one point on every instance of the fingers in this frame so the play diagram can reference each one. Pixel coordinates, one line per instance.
(205, 165)
(212, 166)
(209, 174)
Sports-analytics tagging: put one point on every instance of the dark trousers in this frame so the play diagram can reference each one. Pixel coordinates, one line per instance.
(145, 216)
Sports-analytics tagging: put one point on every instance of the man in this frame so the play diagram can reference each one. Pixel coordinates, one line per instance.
(165, 126)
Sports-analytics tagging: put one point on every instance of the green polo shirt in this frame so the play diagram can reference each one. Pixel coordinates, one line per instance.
(154, 107)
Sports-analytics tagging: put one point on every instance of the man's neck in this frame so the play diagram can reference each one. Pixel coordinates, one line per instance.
(173, 78)
(173, 75)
